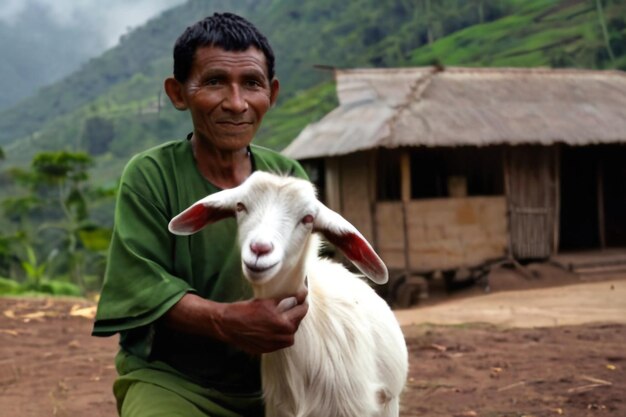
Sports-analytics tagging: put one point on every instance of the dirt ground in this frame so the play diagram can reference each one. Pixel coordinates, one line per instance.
(477, 365)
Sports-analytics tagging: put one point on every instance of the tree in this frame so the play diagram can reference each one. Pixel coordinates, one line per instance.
(605, 32)
(9, 261)
(50, 211)
(429, 22)
(67, 172)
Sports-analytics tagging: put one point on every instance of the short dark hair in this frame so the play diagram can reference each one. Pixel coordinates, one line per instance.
(225, 30)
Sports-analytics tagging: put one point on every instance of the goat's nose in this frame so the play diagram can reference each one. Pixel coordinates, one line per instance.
(261, 248)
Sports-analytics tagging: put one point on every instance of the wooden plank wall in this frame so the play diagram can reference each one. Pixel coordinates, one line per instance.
(357, 191)
(390, 233)
(444, 233)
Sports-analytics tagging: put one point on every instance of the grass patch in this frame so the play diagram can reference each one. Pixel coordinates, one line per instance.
(9, 287)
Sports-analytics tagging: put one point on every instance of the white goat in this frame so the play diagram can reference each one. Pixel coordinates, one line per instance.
(349, 358)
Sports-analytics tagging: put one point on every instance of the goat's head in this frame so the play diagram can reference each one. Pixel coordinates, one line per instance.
(276, 216)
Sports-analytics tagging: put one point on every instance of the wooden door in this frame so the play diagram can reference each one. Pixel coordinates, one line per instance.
(531, 196)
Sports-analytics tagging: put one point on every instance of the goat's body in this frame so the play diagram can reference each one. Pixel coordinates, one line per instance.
(349, 358)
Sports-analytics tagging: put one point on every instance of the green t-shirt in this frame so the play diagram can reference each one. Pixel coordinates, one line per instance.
(149, 270)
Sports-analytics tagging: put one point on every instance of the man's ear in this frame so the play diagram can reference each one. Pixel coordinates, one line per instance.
(174, 90)
(274, 88)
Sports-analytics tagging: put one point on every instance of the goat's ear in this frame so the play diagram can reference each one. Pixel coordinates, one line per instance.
(347, 238)
(209, 210)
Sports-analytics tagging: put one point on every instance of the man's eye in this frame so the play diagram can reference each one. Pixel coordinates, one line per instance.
(212, 81)
(253, 83)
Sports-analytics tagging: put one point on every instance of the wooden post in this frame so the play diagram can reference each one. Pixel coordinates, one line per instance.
(405, 175)
(333, 184)
(405, 178)
(506, 168)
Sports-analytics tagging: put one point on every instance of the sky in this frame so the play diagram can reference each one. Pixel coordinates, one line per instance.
(42, 41)
(105, 20)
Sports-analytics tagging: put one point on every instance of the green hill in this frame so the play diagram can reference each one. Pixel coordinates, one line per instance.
(113, 106)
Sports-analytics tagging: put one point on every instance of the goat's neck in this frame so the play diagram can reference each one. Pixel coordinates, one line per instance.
(282, 285)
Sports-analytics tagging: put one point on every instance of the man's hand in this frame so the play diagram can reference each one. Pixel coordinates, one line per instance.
(255, 326)
(262, 326)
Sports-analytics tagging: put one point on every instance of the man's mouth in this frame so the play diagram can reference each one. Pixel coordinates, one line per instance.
(234, 123)
(235, 126)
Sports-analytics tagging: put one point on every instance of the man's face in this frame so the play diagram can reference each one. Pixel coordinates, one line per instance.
(227, 94)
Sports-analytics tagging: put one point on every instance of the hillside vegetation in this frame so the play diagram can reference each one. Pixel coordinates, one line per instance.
(89, 124)
(123, 86)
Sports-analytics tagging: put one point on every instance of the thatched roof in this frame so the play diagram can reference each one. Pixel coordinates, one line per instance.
(426, 106)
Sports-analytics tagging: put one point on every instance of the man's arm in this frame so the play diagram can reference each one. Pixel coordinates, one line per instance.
(255, 326)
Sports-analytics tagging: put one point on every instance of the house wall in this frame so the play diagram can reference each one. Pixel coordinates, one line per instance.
(443, 233)
(351, 191)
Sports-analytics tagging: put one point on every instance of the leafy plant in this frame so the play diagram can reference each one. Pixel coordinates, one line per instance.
(35, 270)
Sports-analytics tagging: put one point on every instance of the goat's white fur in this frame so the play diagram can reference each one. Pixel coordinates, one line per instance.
(349, 358)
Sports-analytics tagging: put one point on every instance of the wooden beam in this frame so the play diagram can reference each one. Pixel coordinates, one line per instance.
(405, 177)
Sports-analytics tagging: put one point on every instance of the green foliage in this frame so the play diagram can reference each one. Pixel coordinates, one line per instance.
(540, 33)
(8, 260)
(98, 133)
(10, 287)
(54, 287)
(95, 239)
(55, 235)
(49, 287)
(18, 208)
(284, 123)
(34, 269)
(60, 166)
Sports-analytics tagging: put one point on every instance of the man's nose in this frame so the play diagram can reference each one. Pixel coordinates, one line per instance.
(235, 100)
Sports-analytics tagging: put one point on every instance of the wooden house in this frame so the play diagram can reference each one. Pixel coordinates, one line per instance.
(447, 168)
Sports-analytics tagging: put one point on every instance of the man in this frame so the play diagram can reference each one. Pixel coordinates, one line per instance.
(190, 336)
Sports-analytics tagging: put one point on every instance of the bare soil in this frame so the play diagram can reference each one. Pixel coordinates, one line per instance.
(482, 370)
(51, 366)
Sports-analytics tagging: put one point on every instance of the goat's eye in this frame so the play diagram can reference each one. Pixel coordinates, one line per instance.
(308, 219)
(240, 208)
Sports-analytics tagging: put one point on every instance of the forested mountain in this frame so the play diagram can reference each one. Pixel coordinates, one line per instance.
(113, 106)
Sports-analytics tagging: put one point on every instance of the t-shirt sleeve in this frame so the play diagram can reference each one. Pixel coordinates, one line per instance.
(139, 284)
